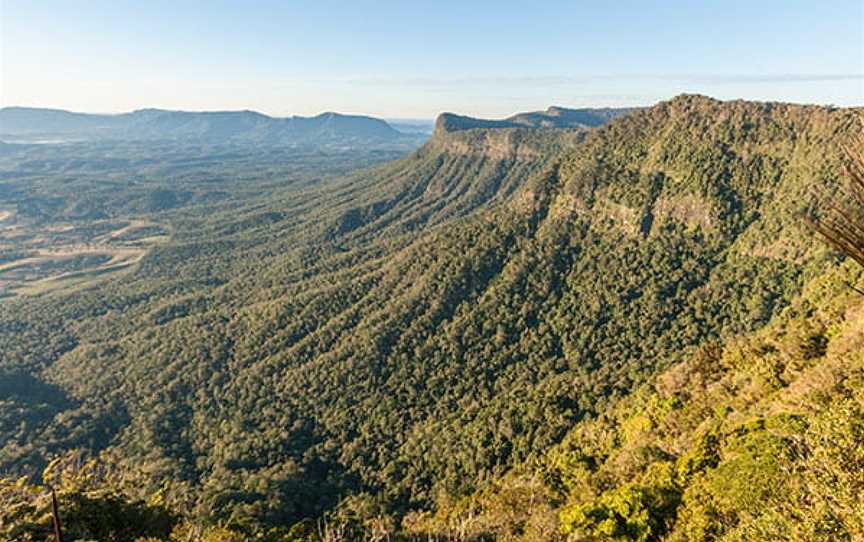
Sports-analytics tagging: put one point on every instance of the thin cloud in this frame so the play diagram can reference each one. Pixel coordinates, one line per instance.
(567, 80)
(430, 82)
(767, 78)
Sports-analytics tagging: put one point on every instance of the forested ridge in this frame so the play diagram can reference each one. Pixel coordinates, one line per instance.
(490, 320)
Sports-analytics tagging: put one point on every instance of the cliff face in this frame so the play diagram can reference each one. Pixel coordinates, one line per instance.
(502, 143)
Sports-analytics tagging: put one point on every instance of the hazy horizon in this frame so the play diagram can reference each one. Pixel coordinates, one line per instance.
(406, 120)
(399, 61)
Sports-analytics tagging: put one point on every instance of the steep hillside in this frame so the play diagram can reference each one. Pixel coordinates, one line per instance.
(757, 437)
(417, 329)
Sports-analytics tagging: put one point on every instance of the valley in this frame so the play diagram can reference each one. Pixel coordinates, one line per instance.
(70, 215)
(429, 340)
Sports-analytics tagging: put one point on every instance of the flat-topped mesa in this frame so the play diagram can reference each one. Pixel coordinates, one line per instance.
(523, 135)
(499, 140)
(450, 122)
(553, 117)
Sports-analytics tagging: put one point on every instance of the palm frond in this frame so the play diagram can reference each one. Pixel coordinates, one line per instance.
(841, 220)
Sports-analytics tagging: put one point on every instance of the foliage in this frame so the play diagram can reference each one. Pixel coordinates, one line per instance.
(637, 512)
(93, 506)
(362, 347)
(712, 450)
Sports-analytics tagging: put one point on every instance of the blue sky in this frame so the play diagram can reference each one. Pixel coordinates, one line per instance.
(413, 59)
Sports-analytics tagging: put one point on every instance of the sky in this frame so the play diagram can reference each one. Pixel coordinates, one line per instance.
(415, 59)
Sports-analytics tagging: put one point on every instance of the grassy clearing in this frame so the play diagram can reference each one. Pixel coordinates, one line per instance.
(53, 266)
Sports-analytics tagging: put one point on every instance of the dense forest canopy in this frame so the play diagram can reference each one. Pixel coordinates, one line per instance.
(615, 323)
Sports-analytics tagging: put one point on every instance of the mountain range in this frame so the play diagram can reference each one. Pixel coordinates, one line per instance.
(256, 128)
(222, 126)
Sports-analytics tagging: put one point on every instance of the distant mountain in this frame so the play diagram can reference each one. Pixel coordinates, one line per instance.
(554, 117)
(561, 117)
(234, 126)
(30, 124)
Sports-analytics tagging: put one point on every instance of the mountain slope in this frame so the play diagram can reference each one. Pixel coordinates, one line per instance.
(753, 438)
(420, 327)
